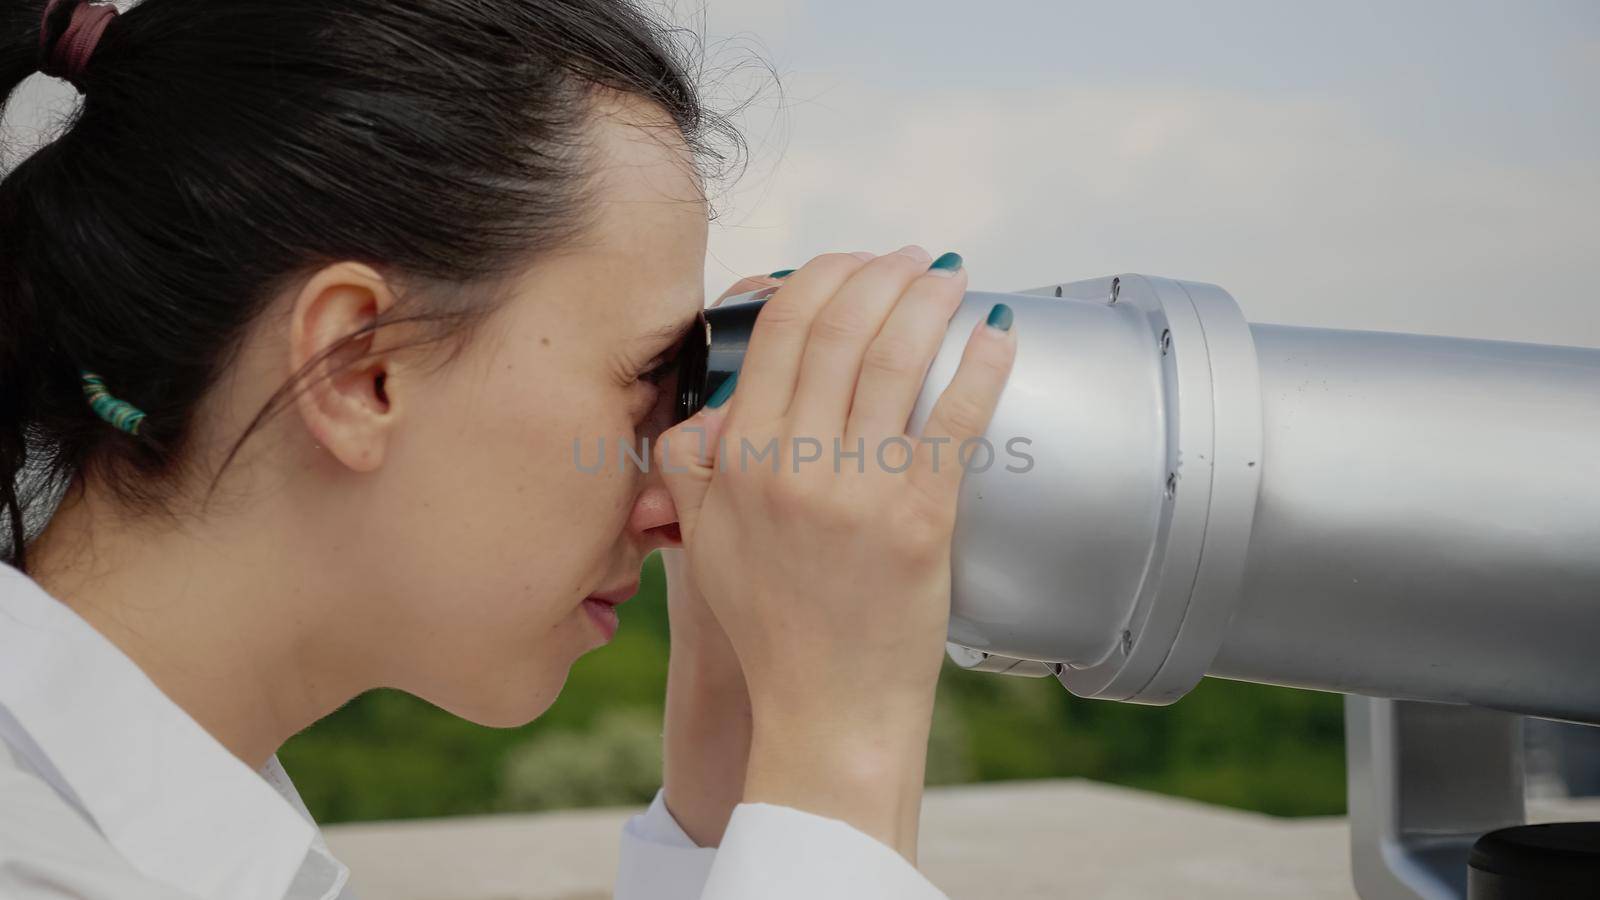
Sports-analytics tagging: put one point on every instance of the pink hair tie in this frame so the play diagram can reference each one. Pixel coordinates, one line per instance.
(71, 51)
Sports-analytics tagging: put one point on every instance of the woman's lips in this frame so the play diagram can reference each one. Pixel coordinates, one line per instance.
(601, 607)
(604, 616)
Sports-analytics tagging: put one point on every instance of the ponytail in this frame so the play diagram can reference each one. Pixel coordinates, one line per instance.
(24, 356)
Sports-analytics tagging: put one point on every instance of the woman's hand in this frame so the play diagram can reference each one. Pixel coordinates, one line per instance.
(832, 582)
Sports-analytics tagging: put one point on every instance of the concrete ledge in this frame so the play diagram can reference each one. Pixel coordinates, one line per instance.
(1021, 840)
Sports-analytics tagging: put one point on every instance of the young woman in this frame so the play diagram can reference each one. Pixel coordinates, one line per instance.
(301, 321)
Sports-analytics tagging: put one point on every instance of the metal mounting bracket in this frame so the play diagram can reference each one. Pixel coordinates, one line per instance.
(1426, 780)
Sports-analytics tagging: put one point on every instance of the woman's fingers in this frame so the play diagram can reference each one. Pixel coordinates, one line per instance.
(778, 340)
(686, 455)
(840, 335)
(896, 363)
(962, 413)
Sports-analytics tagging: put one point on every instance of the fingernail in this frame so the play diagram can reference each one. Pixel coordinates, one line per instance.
(946, 265)
(781, 273)
(723, 392)
(915, 252)
(999, 317)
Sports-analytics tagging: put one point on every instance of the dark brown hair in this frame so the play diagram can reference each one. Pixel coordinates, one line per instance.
(225, 148)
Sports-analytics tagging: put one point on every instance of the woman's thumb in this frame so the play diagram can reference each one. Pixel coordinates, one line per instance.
(686, 456)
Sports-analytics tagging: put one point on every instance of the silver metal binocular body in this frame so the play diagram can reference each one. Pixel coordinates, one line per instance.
(1384, 514)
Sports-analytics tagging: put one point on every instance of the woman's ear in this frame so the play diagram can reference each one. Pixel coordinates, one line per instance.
(344, 397)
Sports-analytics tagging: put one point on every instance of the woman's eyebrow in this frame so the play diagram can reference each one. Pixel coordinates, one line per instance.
(661, 334)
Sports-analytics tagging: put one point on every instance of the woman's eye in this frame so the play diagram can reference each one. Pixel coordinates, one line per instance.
(659, 372)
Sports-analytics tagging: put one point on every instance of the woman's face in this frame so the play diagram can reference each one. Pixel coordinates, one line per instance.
(487, 533)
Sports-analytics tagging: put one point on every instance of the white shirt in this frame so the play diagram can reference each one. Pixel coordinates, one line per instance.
(110, 791)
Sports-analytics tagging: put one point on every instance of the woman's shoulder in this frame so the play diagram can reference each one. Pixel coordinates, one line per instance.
(48, 848)
(105, 774)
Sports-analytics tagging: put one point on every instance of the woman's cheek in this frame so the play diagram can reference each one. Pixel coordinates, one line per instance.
(618, 433)
(656, 412)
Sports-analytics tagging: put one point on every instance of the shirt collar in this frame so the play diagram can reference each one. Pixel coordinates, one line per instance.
(176, 803)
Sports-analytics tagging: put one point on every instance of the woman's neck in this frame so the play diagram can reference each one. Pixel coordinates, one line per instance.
(221, 615)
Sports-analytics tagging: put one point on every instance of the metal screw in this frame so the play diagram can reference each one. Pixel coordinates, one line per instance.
(1127, 642)
(1166, 341)
(1172, 484)
(1116, 290)
(1058, 290)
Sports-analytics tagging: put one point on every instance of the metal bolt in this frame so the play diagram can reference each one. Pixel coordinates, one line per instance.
(1116, 290)
(1166, 341)
(1172, 484)
(1127, 642)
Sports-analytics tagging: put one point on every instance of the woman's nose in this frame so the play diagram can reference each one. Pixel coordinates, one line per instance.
(653, 522)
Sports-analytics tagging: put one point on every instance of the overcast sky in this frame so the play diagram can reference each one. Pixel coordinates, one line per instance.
(1412, 166)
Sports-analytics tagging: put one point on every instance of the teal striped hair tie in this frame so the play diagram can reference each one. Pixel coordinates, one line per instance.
(120, 413)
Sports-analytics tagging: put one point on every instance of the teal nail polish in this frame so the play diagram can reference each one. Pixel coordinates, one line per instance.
(947, 263)
(1000, 317)
(781, 273)
(723, 392)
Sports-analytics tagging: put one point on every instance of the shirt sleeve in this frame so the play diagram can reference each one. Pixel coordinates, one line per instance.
(768, 852)
(659, 861)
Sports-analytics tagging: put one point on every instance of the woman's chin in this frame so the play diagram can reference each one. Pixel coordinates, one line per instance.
(517, 704)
